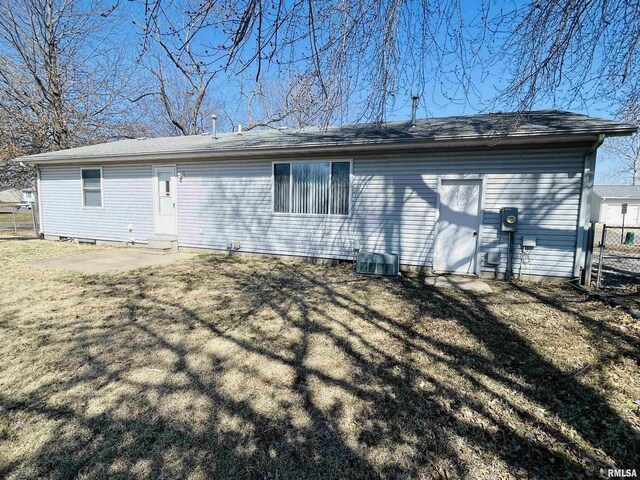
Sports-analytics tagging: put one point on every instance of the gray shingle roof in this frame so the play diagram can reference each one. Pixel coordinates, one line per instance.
(617, 191)
(488, 126)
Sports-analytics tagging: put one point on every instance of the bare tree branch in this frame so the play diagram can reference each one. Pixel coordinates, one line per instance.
(359, 52)
(61, 85)
(572, 51)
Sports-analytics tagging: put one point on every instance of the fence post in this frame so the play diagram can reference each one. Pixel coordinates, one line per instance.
(588, 261)
(600, 255)
(33, 219)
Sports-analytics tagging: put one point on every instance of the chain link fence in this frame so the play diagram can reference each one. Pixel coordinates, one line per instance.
(16, 219)
(617, 258)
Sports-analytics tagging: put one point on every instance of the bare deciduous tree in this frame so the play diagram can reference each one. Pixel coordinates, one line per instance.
(61, 84)
(179, 95)
(184, 68)
(180, 79)
(275, 102)
(364, 53)
(625, 151)
(301, 62)
(571, 51)
(358, 53)
(17, 175)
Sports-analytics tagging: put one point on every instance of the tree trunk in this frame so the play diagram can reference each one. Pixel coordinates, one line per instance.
(59, 135)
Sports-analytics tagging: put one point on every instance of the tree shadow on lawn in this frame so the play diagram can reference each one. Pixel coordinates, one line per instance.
(271, 369)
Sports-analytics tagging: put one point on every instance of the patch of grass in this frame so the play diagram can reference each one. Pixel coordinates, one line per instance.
(24, 216)
(17, 234)
(223, 367)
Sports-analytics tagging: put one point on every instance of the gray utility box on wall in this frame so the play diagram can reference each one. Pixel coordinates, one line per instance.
(377, 263)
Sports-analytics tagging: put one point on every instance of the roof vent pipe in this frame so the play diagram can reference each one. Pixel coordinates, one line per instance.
(239, 129)
(214, 132)
(414, 108)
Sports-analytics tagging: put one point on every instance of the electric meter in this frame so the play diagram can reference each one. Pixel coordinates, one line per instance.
(509, 217)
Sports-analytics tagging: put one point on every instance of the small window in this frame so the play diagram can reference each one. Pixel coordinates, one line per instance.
(91, 187)
(165, 200)
(316, 188)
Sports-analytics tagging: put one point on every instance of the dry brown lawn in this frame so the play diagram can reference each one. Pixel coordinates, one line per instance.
(20, 233)
(226, 367)
(22, 216)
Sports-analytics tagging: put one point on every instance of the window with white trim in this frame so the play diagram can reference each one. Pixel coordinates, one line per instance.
(318, 188)
(92, 187)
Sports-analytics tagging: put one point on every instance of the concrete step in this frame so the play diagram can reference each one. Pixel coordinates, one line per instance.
(161, 244)
(156, 251)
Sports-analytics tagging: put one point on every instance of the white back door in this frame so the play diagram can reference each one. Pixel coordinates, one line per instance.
(164, 194)
(456, 242)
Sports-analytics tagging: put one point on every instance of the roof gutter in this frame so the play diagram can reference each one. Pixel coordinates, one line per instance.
(596, 145)
(617, 198)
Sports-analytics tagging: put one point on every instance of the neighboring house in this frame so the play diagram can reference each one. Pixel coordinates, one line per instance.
(10, 195)
(607, 201)
(28, 195)
(429, 192)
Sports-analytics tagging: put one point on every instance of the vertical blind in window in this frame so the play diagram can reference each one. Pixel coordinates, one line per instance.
(91, 187)
(340, 188)
(281, 175)
(310, 192)
(311, 188)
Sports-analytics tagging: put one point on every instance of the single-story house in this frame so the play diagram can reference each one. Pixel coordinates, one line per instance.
(607, 205)
(28, 195)
(10, 195)
(430, 191)
(13, 195)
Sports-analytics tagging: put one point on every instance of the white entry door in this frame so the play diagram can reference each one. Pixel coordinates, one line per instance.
(458, 224)
(164, 193)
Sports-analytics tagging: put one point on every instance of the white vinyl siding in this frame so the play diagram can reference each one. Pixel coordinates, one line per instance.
(393, 201)
(127, 201)
(393, 208)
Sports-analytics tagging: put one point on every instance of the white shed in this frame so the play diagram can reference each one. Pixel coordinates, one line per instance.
(607, 203)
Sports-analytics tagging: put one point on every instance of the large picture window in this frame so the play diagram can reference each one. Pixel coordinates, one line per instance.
(318, 188)
(92, 187)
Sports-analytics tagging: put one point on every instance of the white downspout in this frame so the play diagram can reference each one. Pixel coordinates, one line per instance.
(39, 200)
(584, 212)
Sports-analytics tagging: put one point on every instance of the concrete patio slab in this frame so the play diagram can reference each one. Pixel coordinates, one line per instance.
(463, 283)
(112, 260)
